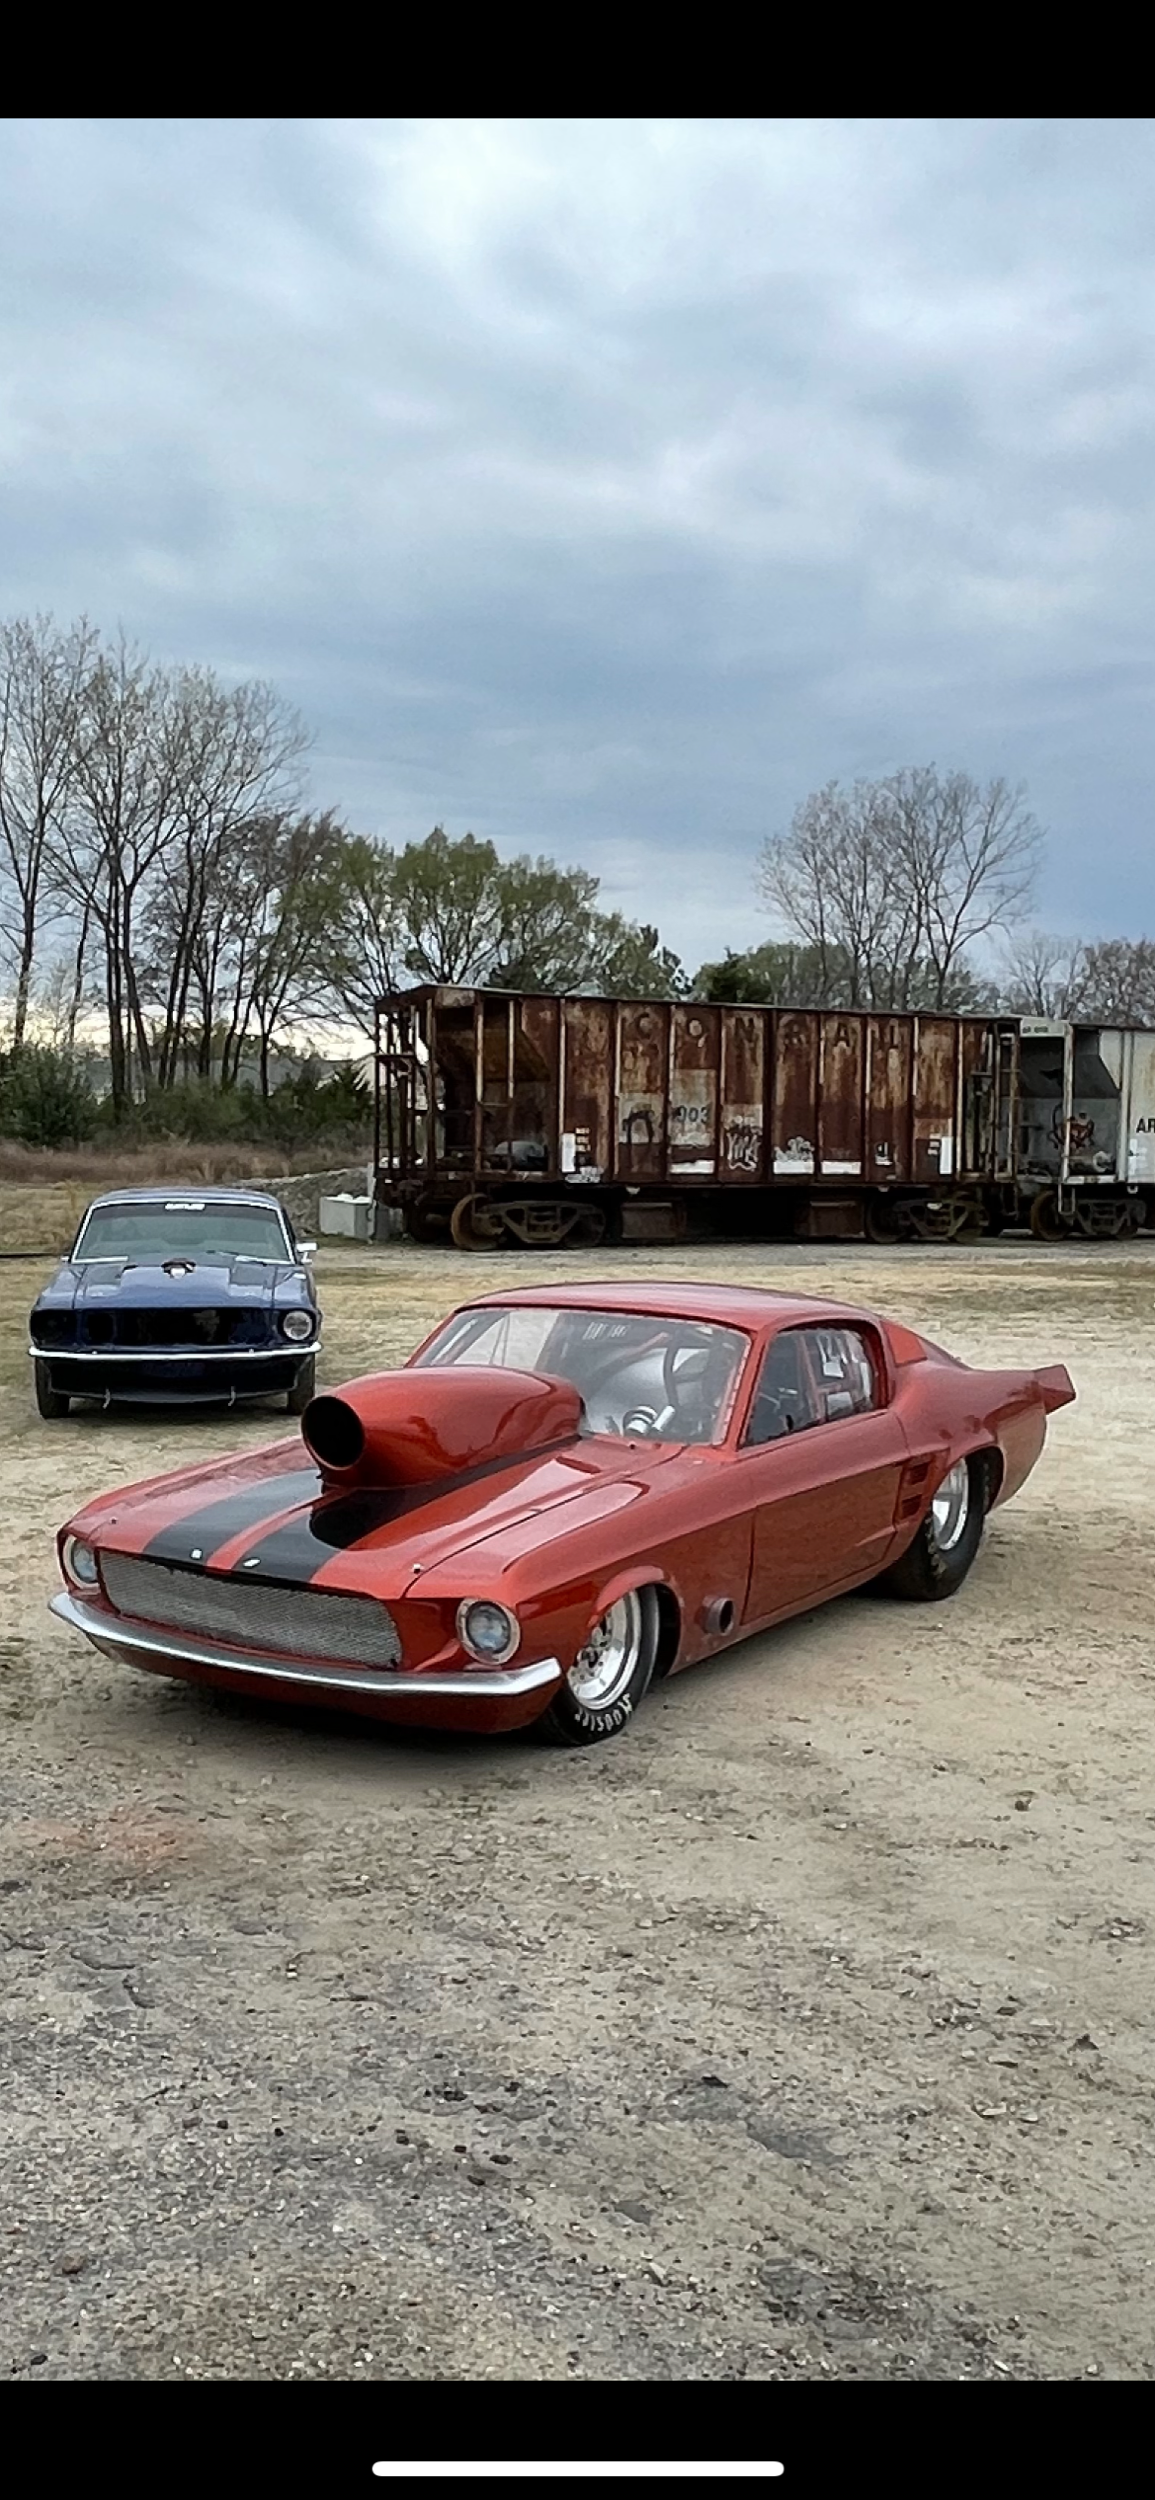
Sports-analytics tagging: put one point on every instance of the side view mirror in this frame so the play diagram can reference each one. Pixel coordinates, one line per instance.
(305, 1251)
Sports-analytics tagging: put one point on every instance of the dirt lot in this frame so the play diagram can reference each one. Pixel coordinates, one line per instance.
(806, 2029)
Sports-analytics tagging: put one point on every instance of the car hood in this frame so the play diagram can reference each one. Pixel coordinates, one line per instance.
(95, 1284)
(272, 1518)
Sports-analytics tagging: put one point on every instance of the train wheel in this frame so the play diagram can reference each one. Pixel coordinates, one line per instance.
(881, 1219)
(476, 1224)
(1048, 1223)
(589, 1229)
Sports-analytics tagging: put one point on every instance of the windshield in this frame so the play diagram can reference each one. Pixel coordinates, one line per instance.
(182, 1228)
(646, 1378)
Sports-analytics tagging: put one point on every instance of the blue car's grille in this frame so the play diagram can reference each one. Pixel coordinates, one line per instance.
(171, 1326)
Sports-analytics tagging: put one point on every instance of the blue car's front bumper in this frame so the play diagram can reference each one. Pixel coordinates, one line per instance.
(163, 1379)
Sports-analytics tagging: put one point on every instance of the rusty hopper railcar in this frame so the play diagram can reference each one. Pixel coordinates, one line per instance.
(542, 1120)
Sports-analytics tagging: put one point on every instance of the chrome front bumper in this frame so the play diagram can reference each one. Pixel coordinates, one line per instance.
(137, 1645)
(288, 1347)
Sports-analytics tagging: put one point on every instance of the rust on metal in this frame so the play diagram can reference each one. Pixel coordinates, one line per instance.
(936, 1090)
(586, 1148)
(742, 1095)
(889, 1071)
(794, 1117)
(642, 1090)
(840, 1097)
(638, 1106)
(694, 1053)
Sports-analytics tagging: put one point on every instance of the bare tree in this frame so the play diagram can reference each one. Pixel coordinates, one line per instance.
(122, 810)
(964, 856)
(1044, 976)
(289, 940)
(832, 880)
(889, 884)
(1083, 981)
(240, 755)
(44, 671)
(1118, 982)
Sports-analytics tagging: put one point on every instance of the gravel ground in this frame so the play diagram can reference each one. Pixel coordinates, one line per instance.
(803, 2031)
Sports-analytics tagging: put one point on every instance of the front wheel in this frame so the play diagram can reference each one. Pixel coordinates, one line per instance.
(304, 1387)
(610, 1674)
(50, 1402)
(938, 1560)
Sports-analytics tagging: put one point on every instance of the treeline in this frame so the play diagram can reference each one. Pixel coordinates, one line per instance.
(159, 869)
(156, 862)
(47, 1099)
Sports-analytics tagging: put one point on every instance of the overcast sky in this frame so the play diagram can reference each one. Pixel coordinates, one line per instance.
(606, 486)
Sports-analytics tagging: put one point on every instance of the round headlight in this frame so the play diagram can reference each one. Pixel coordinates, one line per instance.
(487, 1631)
(296, 1324)
(80, 1563)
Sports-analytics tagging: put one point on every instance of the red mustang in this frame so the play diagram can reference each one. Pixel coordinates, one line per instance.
(564, 1493)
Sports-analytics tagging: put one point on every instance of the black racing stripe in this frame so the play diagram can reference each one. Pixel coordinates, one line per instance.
(203, 1532)
(301, 1547)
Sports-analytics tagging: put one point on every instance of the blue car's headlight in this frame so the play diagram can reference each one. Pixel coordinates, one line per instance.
(297, 1325)
(52, 1328)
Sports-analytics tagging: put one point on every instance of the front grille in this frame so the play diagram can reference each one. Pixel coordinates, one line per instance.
(169, 1326)
(298, 1623)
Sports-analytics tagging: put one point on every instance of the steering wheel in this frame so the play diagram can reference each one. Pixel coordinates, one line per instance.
(682, 1365)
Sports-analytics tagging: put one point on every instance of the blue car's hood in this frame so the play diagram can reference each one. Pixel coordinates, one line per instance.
(215, 1278)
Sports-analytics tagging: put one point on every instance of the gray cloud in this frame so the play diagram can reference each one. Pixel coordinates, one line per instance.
(606, 486)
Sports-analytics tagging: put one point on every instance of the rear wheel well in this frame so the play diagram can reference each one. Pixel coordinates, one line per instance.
(669, 1628)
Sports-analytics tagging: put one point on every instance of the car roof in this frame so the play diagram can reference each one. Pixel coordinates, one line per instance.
(740, 1306)
(188, 1194)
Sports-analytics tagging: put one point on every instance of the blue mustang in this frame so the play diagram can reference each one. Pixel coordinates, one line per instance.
(171, 1294)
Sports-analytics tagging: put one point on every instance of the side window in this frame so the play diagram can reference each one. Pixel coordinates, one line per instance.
(844, 1372)
(812, 1376)
(784, 1400)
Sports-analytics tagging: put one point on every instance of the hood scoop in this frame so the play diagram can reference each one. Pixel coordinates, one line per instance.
(421, 1426)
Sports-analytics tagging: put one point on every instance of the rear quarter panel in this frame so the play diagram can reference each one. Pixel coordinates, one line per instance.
(948, 1412)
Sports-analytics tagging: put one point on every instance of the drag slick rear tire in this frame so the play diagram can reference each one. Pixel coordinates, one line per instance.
(609, 1676)
(939, 1557)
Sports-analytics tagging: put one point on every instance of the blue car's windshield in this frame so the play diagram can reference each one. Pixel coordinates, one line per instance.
(181, 1228)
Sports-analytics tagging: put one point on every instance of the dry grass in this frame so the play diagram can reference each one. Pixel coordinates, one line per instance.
(43, 1195)
(34, 1220)
(103, 1167)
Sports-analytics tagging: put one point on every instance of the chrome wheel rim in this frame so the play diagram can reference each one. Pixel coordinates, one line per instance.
(950, 1508)
(604, 1669)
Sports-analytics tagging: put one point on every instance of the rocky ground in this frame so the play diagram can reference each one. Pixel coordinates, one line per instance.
(805, 2030)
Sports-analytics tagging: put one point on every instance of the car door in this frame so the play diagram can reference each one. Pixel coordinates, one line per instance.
(823, 1456)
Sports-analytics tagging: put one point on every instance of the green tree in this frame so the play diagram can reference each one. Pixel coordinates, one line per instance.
(45, 1098)
(631, 962)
